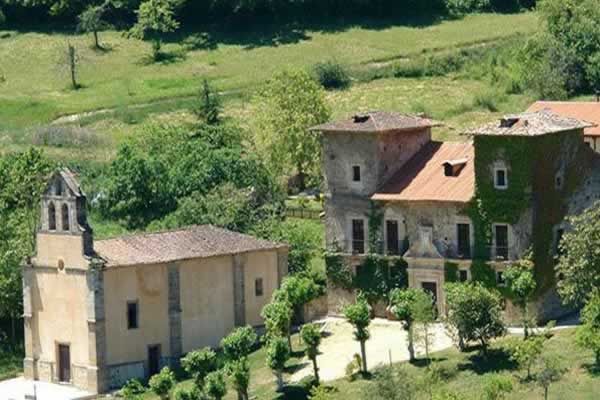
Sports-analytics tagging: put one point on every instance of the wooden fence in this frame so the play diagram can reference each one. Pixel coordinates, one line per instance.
(304, 213)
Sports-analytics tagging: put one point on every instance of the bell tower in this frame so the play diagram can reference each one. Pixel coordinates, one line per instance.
(64, 235)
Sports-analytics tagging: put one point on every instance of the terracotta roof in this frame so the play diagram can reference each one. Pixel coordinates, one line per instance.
(584, 110)
(530, 124)
(198, 241)
(376, 121)
(422, 178)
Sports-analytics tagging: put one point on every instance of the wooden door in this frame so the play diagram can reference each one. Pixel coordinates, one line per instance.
(153, 360)
(64, 363)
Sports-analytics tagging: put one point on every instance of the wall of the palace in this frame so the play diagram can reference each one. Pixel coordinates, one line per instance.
(261, 265)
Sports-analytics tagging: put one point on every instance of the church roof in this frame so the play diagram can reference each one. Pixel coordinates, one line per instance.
(197, 241)
(71, 181)
(423, 177)
(376, 121)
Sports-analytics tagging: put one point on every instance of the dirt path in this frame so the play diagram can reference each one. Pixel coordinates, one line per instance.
(388, 341)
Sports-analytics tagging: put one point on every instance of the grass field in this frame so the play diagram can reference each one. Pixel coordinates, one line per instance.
(466, 373)
(35, 89)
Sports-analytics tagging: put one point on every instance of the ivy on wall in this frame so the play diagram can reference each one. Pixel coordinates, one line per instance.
(450, 271)
(375, 222)
(338, 271)
(533, 164)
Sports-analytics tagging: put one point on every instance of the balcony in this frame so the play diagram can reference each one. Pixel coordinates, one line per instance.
(500, 253)
(358, 247)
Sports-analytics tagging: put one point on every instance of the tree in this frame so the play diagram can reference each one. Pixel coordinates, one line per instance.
(474, 313)
(181, 393)
(239, 371)
(297, 290)
(286, 108)
(208, 107)
(69, 61)
(162, 383)
(278, 319)
(278, 352)
(199, 364)
(526, 353)
(92, 21)
(311, 336)
(424, 312)
(578, 268)
(402, 306)
(155, 18)
(239, 343)
(359, 315)
(215, 385)
(521, 284)
(588, 334)
(551, 370)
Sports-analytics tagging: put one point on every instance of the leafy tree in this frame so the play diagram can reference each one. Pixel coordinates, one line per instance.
(359, 315)
(496, 387)
(551, 370)
(474, 313)
(311, 336)
(181, 393)
(278, 319)
(2, 17)
(199, 364)
(240, 374)
(239, 343)
(132, 390)
(526, 352)
(402, 303)
(286, 108)
(162, 383)
(424, 312)
(578, 268)
(390, 384)
(208, 107)
(592, 71)
(588, 334)
(520, 280)
(215, 385)
(298, 290)
(278, 352)
(92, 21)
(69, 61)
(155, 18)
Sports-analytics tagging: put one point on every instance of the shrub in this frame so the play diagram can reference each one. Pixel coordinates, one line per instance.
(162, 383)
(496, 387)
(186, 394)
(239, 343)
(487, 100)
(199, 363)
(459, 7)
(588, 334)
(331, 75)
(526, 352)
(390, 384)
(353, 367)
(215, 385)
(278, 352)
(132, 389)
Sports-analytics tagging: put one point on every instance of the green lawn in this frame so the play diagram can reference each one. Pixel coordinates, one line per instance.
(466, 375)
(35, 90)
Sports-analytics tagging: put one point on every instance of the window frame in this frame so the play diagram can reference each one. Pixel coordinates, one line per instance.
(364, 234)
(51, 216)
(504, 170)
(356, 169)
(65, 217)
(495, 239)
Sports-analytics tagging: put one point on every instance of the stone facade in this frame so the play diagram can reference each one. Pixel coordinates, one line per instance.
(428, 228)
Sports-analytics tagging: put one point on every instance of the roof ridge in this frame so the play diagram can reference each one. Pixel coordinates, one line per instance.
(162, 231)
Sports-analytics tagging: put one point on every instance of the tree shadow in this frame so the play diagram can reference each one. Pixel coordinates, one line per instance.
(592, 369)
(293, 392)
(495, 360)
(293, 368)
(163, 57)
(103, 48)
(424, 362)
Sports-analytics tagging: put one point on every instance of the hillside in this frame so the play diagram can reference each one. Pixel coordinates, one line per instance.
(127, 87)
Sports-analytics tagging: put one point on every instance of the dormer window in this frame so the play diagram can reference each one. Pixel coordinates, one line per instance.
(51, 217)
(356, 173)
(65, 218)
(500, 178)
(453, 167)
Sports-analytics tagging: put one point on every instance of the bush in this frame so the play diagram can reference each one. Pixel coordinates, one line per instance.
(353, 367)
(459, 7)
(390, 384)
(496, 387)
(487, 100)
(132, 389)
(216, 387)
(162, 383)
(331, 75)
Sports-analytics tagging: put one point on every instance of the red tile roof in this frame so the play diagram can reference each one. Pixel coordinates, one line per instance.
(422, 178)
(198, 241)
(587, 111)
(376, 121)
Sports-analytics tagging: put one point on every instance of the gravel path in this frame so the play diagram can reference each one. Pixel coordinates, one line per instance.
(16, 389)
(388, 340)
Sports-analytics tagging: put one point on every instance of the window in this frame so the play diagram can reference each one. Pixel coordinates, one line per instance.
(464, 240)
(132, 315)
(392, 237)
(258, 287)
(358, 236)
(501, 241)
(355, 173)
(558, 181)
(65, 217)
(58, 188)
(463, 275)
(51, 217)
(500, 178)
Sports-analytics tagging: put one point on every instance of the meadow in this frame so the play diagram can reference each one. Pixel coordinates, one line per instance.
(121, 88)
